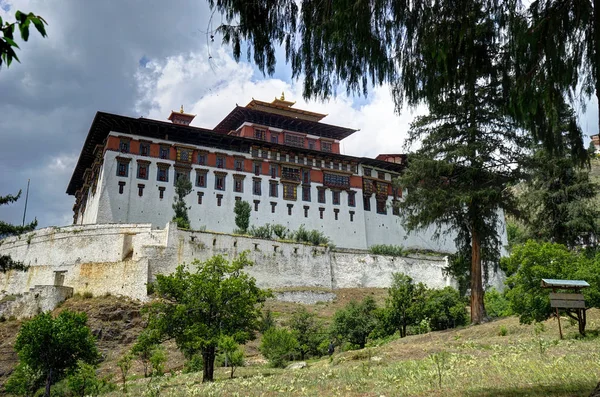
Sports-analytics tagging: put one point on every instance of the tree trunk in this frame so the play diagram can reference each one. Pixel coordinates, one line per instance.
(208, 355)
(48, 383)
(596, 44)
(477, 308)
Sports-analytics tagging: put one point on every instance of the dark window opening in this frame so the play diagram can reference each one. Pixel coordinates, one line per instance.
(273, 188)
(161, 192)
(335, 213)
(141, 190)
(256, 202)
(381, 207)
(367, 203)
(273, 204)
(351, 216)
(351, 199)
(335, 197)
(200, 195)
(289, 207)
(121, 186)
(321, 210)
(306, 207)
(219, 198)
(321, 196)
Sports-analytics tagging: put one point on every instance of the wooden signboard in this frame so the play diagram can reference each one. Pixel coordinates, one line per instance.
(567, 301)
(573, 303)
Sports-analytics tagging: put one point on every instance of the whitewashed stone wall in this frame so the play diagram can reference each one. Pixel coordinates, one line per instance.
(38, 299)
(121, 258)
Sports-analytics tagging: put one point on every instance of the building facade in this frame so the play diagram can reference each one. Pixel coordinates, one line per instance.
(284, 161)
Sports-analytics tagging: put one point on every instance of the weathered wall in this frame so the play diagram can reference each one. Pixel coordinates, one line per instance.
(38, 299)
(121, 258)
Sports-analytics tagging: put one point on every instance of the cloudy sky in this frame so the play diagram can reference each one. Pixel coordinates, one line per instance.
(142, 58)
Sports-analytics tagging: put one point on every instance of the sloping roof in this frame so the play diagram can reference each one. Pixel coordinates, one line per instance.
(241, 114)
(554, 283)
(104, 123)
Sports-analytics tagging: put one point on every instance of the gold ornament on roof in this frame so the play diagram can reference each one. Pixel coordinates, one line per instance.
(181, 110)
(282, 96)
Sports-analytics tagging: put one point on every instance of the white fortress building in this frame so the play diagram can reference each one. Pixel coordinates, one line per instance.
(284, 161)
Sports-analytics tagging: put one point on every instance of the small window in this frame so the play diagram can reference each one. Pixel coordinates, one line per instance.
(306, 208)
(273, 204)
(367, 171)
(200, 195)
(261, 134)
(161, 192)
(219, 182)
(321, 196)
(122, 168)
(305, 193)
(256, 169)
(264, 153)
(202, 158)
(305, 176)
(335, 213)
(164, 152)
(380, 175)
(274, 171)
(311, 144)
(141, 190)
(142, 171)
(254, 152)
(321, 210)
(124, 146)
(273, 188)
(238, 185)
(220, 162)
(381, 207)
(121, 186)
(256, 202)
(163, 174)
(201, 179)
(184, 155)
(351, 216)
(351, 199)
(326, 146)
(289, 191)
(294, 140)
(289, 207)
(274, 138)
(256, 187)
(335, 195)
(144, 149)
(219, 198)
(367, 203)
(239, 164)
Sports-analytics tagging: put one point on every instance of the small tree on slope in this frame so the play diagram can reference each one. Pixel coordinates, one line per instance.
(6, 229)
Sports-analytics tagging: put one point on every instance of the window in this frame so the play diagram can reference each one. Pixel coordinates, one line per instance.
(351, 216)
(321, 196)
(335, 197)
(274, 170)
(289, 191)
(367, 171)
(219, 198)
(260, 134)
(200, 195)
(254, 152)
(274, 138)
(380, 175)
(140, 190)
(381, 207)
(202, 158)
(238, 184)
(256, 187)
(239, 164)
(219, 182)
(311, 144)
(273, 204)
(321, 210)
(395, 207)
(273, 188)
(294, 140)
(164, 152)
(124, 146)
(256, 169)
(264, 153)
(305, 193)
(289, 207)
(220, 162)
(367, 203)
(161, 192)
(163, 174)
(351, 199)
(184, 155)
(144, 149)
(306, 207)
(327, 164)
(142, 170)
(326, 146)
(305, 176)
(179, 173)
(290, 174)
(335, 213)
(121, 186)
(256, 202)
(122, 168)
(201, 178)
(336, 180)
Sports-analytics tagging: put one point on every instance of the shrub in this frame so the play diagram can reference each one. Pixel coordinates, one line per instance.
(391, 250)
(265, 231)
(308, 331)
(124, 365)
(400, 304)
(231, 355)
(158, 360)
(88, 295)
(280, 231)
(266, 322)
(193, 364)
(83, 381)
(24, 381)
(355, 322)
(279, 346)
(242, 211)
(445, 308)
(496, 304)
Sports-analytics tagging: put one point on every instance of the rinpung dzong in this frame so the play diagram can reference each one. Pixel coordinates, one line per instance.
(284, 161)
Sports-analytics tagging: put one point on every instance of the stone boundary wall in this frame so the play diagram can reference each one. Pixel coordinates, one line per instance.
(120, 259)
(38, 299)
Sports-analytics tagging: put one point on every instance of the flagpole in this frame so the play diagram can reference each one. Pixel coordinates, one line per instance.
(26, 198)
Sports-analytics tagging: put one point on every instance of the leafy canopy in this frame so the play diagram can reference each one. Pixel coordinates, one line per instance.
(242, 212)
(183, 187)
(204, 301)
(7, 40)
(355, 322)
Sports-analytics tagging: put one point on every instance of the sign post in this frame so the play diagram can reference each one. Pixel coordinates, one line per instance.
(573, 302)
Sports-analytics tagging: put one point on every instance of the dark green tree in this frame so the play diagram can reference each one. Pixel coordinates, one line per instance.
(7, 42)
(6, 229)
(242, 212)
(279, 346)
(53, 346)
(355, 322)
(400, 302)
(183, 187)
(308, 332)
(199, 304)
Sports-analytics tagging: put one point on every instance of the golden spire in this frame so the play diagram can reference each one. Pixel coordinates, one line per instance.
(282, 96)
(181, 110)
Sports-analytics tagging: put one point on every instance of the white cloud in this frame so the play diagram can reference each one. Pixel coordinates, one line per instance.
(210, 88)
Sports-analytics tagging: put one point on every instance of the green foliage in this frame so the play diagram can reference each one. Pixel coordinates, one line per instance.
(88, 295)
(279, 346)
(183, 187)
(158, 358)
(496, 304)
(6, 229)
(231, 355)
(242, 211)
(84, 381)
(7, 42)
(355, 322)
(193, 364)
(280, 231)
(124, 365)
(144, 347)
(308, 332)
(531, 262)
(400, 302)
(445, 308)
(201, 303)
(441, 363)
(516, 233)
(503, 331)
(267, 321)
(265, 231)
(53, 346)
(313, 237)
(24, 381)
(391, 250)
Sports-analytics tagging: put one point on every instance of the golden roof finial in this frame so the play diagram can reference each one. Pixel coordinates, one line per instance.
(282, 96)
(181, 110)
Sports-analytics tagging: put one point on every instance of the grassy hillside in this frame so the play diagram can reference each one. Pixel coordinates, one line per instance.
(500, 358)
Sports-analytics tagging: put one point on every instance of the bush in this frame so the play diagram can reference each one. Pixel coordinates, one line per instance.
(231, 355)
(83, 381)
(280, 231)
(279, 346)
(308, 331)
(265, 231)
(355, 322)
(24, 381)
(158, 360)
(496, 304)
(193, 364)
(88, 295)
(390, 250)
(445, 308)
(242, 212)
(266, 322)
(401, 310)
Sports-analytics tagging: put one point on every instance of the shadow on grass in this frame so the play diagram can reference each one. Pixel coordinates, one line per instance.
(568, 389)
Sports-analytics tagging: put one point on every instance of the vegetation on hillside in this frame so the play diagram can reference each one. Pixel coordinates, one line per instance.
(6, 229)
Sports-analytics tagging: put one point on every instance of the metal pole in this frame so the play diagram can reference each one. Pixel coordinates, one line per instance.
(26, 198)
